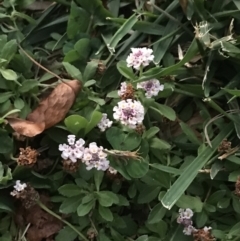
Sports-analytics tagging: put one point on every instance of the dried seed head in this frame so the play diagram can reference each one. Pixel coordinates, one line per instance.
(70, 166)
(91, 233)
(140, 129)
(27, 156)
(124, 154)
(126, 91)
(237, 187)
(225, 146)
(203, 234)
(114, 175)
(101, 68)
(42, 164)
(26, 194)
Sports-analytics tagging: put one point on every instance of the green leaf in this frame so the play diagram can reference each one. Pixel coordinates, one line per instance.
(122, 141)
(69, 190)
(95, 119)
(28, 85)
(125, 71)
(107, 199)
(66, 234)
(232, 92)
(90, 70)
(98, 177)
(191, 171)
(167, 169)
(75, 123)
(6, 142)
(190, 133)
(9, 74)
(156, 214)
(5, 96)
(201, 219)
(96, 8)
(78, 20)
(8, 51)
(113, 94)
(142, 238)
(90, 83)
(158, 144)
(70, 205)
(151, 132)
(7, 237)
(83, 48)
(235, 230)
(136, 168)
(6, 204)
(84, 208)
(148, 194)
(105, 213)
(164, 110)
(19, 103)
(186, 201)
(72, 71)
(122, 31)
(158, 72)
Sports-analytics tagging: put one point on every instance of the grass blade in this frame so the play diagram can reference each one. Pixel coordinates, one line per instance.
(183, 182)
(122, 31)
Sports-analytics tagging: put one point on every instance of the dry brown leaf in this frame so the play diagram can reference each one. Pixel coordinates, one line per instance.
(43, 225)
(49, 112)
(26, 128)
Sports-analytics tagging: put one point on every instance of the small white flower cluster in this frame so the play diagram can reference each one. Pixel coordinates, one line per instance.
(129, 112)
(73, 150)
(152, 87)
(123, 89)
(104, 123)
(112, 170)
(94, 157)
(140, 57)
(18, 187)
(185, 218)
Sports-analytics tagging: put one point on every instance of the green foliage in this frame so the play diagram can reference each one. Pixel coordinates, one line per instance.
(179, 158)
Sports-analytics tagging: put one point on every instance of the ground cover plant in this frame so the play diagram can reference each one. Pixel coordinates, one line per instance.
(119, 120)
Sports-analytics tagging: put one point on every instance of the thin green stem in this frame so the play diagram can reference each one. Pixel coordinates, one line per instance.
(59, 218)
(90, 24)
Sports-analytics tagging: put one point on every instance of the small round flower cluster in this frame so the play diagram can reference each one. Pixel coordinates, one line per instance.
(185, 218)
(18, 187)
(152, 87)
(129, 112)
(123, 89)
(94, 157)
(104, 123)
(73, 150)
(140, 57)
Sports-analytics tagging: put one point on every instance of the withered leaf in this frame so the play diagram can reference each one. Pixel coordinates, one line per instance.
(26, 128)
(50, 110)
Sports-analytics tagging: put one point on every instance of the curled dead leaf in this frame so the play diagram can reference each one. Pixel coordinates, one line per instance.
(49, 112)
(26, 128)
